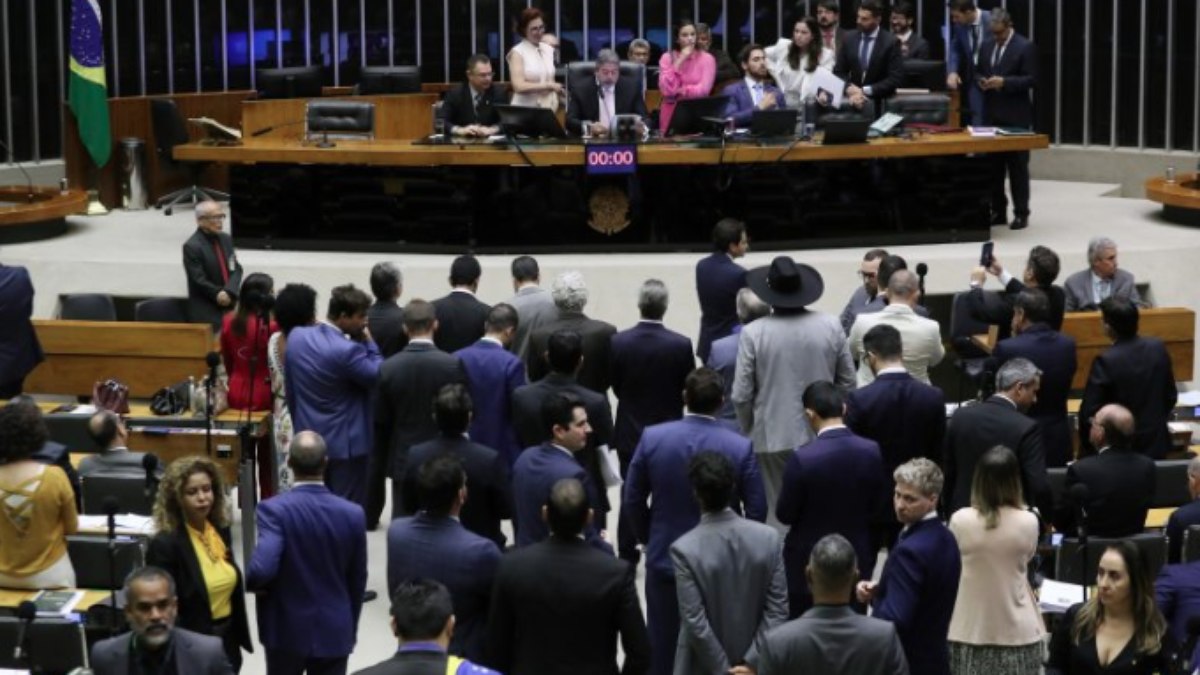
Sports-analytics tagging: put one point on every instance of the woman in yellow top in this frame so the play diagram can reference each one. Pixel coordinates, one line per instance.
(192, 543)
(37, 506)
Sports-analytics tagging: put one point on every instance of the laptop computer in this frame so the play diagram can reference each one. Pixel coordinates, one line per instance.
(698, 116)
(773, 123)
(843, 132)
(529, 121)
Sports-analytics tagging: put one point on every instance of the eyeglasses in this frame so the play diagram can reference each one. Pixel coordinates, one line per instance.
(867, 275)
(214, 216)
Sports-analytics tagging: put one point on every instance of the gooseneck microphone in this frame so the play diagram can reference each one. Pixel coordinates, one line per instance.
(266, 130)
(150, 466)
(28, 179)
(1079, 497)
(922, 270)
(26, 612)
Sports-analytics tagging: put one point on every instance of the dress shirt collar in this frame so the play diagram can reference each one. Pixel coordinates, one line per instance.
(751, 83)
(653, 322)
(476, 93)
(301, 483)
(334, 326)
(1097, 279)
(528, 287)
(903, 37)
(1007, 38)
(1101, 451)
(1008, 400)
(116, 450)
(459, 289)
(699, 416)
(874, 34)
(420, 647)
(556, 446)
(898, 308)
(893, 370)
(420, 341)
(831, 427)
(492, 340)
(723, 514)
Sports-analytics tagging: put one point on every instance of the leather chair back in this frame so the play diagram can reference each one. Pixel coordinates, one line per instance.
(169, 130)
(87, 307)
(582, 71)
(920, 108)
(340, 118)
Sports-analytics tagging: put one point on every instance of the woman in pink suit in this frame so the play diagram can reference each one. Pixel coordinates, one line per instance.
(686, 72)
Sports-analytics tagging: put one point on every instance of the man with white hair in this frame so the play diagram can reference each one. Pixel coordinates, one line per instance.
(214, 275)
(1086, 289)
(570, 294)
(597, 101)
(722, 355)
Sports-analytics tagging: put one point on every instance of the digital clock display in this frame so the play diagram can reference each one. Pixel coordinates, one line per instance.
(610, 159)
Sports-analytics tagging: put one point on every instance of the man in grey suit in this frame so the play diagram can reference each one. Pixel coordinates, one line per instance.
(778, 357)
(533, 303)
(154, 644)
(831, 638)
(728, 575)
(1086, 289)
(114, 458)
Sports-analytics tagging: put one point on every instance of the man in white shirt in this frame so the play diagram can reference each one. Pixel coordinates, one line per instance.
(921, 337)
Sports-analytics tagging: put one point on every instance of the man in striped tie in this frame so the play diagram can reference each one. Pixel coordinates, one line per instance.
(596, 101)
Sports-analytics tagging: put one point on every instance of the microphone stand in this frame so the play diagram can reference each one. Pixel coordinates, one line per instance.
(246, 466)
(1083, 548)
(208, 408)
(110, 508)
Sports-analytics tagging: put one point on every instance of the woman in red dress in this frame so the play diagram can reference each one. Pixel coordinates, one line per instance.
(244, 344)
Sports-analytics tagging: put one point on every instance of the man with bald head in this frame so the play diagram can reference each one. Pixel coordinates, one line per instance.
(1119, 480)
(309, 569)
(108, 430)
(214, 274)
(921, 338)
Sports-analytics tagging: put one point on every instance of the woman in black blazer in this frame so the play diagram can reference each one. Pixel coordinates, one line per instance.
(1119, 630)
(193, 544)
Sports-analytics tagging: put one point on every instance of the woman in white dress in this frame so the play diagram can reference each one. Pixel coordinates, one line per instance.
(295, 305)
(531, 64)
(794, 62)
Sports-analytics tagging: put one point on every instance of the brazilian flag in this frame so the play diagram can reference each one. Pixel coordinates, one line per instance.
(88, 92)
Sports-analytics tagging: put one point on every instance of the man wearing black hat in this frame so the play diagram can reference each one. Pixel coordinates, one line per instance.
(778, 357)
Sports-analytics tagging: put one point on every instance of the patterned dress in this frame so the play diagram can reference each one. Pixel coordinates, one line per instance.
(280, 415)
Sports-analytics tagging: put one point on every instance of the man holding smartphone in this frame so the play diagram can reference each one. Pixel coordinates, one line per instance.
(1007, 73)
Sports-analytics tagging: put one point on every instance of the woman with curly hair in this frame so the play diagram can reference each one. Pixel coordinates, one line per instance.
(1119, 629)
(37, 506)
(192, 543)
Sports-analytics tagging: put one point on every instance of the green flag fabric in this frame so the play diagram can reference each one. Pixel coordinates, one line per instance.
(87, 90)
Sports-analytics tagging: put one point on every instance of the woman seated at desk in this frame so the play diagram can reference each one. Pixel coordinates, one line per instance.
(37, 505)
(193, 544)
(531, 64)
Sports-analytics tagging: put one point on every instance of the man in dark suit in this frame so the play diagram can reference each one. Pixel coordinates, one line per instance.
(718, 279)
(1000, 420)
(214, 275)
(408, 383)
(309, 569)
(1135, 372)
(424, 616)
(539, 467)
(659, 460)
(1054, 354)
(649, 365)
(831, 638)
(905, 416)
(331, 369)
(869, 59)
(968, 33)
(570, 295)
(919, 584)
(154, 644)
(599, 100)
(912, 45)
(20, 351)
(434, 544)
(1041, 269)
(467, 108)
(836, 483)
(1185, 516)
(1120, 481)
(487, 471)
(460, 314)
(1177, 595)
(386, 317)
(564, 354)
(493, 374)
(829, 17)
(753, 92)
(1007, 76)
(559, 606)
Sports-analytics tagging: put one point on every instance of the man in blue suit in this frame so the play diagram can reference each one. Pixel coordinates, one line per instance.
(434, 545)
(20, 350)
(1177, 594)
(718, 279)
(658, 474)
(919, 584)
(968, 32)
(538, 468)
(1185, 516)
(309, 569)
(330, 369)
(649, 363)
(835, 484)
(755, 91)
(1054, 354)
(493, 374)
(722, 355)
(1007, 76)
(487, 471)
(906, 417)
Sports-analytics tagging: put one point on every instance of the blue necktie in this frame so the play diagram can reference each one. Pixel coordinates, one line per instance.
(863, 51)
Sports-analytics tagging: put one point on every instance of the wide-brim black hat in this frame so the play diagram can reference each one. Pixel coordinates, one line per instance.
(786, 283)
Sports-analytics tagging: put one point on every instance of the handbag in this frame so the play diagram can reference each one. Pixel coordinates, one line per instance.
(173, 399)
(220, 396)
(111, 395)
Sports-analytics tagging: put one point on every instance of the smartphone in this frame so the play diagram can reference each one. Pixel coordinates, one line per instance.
(985, 255)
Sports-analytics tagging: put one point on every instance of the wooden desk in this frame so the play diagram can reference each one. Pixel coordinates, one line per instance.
(145, 356)
(401, 116)
(1156, 519)
(405, 153)
(1180, 199)
(12, 597)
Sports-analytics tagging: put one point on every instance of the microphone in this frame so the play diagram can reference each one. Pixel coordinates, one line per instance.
(212, 359)
(266, 130)
(27, 612)
(150, 465)
(111, 506)
(28, 179)
(922, 270)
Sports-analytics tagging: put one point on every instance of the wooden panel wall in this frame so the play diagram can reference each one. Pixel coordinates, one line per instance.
(1175, 326)
(397, 117)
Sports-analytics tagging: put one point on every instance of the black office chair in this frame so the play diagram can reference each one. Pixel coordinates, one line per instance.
(87, 307)
(89, 557)
(162, 310)
(846, 112)
(971, 360)
(54, 645)
(1170, 483)
(1153, 546)
(129, 491)
(1190, 551)
(340, 119)
(170, 131)
(920, 108)
(1057, 476)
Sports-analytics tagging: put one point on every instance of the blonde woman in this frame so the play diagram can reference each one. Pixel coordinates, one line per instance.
(531, 64)
(191, 516)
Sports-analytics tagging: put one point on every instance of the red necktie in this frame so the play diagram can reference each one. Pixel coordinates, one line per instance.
(221, 260)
